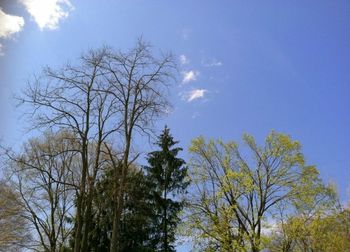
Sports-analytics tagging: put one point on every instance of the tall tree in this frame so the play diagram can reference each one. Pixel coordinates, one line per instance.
(235, 195)
(106, 97)
(137, 79)
(168, 175)
(69, 98)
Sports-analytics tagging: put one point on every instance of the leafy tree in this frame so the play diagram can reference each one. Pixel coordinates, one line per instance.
(44, 176)
(15, 232)
(323, 231)
(167, 174)
(329, 232)
(314, 202)
(235, 196)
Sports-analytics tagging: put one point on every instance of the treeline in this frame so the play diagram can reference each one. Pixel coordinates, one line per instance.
(78, 186)
(40, 199)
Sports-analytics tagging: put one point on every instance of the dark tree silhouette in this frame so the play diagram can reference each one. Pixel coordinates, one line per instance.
(168, 174)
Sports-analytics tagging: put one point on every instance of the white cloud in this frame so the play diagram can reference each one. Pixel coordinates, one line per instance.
(211, 63)
(189, 76)
(184, 60)
(194, 94)
(48, 13)
(9, 24)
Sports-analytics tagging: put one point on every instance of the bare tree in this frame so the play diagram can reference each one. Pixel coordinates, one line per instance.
(137, 80)
(103, 100)
(69, 99)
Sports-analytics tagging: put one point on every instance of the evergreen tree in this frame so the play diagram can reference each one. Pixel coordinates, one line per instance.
(136, 224)
(151, 203)
(136, 218)
(167, 174)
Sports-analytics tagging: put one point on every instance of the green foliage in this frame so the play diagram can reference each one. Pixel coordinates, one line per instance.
(151, 203)
(322, 232)
(167, 174)
(136, 228)
(235, 195)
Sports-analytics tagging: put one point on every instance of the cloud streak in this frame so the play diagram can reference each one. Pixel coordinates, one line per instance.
(189, 76)
(48, 13)
(211, 63)
(194, 94)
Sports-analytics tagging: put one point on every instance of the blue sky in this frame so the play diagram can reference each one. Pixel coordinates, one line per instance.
(244, 67)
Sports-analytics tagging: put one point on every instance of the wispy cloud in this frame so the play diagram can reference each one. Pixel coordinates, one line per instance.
(183, 59)
(9, 24)
(1, 50)
(48, 13)
(194, 94)
(189, 76)
(211, 63)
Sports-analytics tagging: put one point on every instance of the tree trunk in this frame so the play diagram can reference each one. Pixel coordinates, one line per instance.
(90, 198)
(80, 203)
(165, 223)
(115, 241)
(116, 233)
(87, 221)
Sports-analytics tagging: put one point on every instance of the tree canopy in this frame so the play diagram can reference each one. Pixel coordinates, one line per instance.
(238, 192)
(168, 175)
